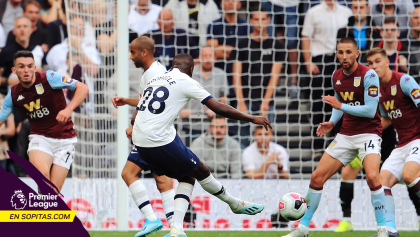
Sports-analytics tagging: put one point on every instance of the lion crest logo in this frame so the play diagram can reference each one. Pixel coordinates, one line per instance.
(18, 200)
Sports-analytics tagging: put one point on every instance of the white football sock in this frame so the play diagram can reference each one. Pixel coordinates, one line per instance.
(212, 186)
(168, 205)
(182, 200)
(141, 198)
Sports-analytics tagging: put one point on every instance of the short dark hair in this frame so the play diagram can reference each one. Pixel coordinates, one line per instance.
(46, 6)
(22, 54)
(391, 20)
(186, 59)
(257, 9)
(259, 127)
(348, 40)
(31, 2)
(217, 117)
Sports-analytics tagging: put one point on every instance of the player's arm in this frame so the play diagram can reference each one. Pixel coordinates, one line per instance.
(410, 88)
(193, 90)
(336, 113)
(229, 112)
(386, 122)
(7, 108)
(120, 101)
(58, 81)
(326, 127)
(368, 110)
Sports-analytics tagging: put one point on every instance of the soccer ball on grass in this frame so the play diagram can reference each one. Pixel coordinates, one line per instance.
(292, 206)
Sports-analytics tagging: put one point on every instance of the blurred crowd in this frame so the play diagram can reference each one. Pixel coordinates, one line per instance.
(249, 54)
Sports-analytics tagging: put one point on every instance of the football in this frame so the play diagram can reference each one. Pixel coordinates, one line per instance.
(292, 206)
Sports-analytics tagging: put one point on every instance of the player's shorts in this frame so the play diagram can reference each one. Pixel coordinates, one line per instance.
(345, 148)
(136, 159)
(401, 155)
(61, 150)
(174, 160)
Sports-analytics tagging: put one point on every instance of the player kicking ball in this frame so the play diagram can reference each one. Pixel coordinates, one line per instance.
(40, 96)
(158, 144)
(141, 53)
(357, 86)
(399, 102)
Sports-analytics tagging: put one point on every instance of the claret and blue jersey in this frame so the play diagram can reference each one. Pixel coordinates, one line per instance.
(42, 102)
(359, 93)
(399, 101)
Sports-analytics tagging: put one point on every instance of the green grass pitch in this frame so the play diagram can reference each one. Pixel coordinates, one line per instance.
(248, 234)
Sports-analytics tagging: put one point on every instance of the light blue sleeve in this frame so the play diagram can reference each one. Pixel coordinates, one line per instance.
(368, 110)
(58, 81)
(383, 111)
(336, 113)
(7, 107)
(410, 88)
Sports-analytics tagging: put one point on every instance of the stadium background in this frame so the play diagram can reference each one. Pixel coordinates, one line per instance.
(91, 49)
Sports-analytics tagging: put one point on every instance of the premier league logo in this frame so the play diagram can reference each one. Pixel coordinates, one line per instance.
(18, 200)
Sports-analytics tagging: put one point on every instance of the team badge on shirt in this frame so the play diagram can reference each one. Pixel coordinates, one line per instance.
(66, 80)
(357, 81)
(373, 91)
(39, 89)
(393, 90)
(415, 93)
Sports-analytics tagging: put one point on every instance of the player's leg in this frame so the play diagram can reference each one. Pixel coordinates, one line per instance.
(58, 175)
(165, 187)
(348, 175)
(371, 163)
(181, 202)
(215, 188)
(42, 161)
(327, 167)
(141, 198)
(391, 173)
(411, 176)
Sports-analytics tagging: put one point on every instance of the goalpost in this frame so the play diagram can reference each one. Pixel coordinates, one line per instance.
(101, 196)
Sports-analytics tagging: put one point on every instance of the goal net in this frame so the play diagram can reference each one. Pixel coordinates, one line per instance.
(223, 147)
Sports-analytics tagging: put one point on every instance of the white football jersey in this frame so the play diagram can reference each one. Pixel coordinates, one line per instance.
(164, 98)
(154, 69)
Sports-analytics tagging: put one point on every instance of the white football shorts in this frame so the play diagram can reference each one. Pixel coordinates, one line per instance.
(401, 155)
(61, 150)
(346, 148)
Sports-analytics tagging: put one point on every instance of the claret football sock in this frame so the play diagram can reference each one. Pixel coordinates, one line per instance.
(378, 203)
(141, 198)
(312, 201)
(182, 199)
(390, 207)
(415, 186)
(214, 187)
(168, 205)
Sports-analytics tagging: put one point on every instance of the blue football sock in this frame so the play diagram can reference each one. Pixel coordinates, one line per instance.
(312, 201)
(390, 210)
(378, 203)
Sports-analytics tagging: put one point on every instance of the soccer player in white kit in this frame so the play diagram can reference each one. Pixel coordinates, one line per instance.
(158, 144)
(141, 50)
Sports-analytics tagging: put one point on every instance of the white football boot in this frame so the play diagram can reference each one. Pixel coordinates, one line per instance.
(175, 233)
(382, 231)
(300, 231)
